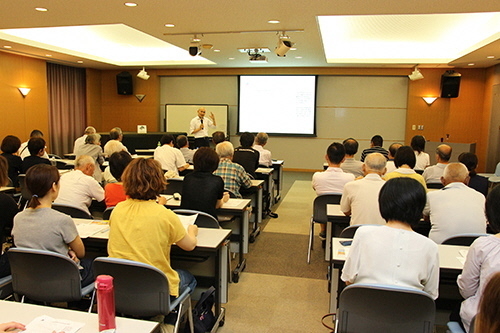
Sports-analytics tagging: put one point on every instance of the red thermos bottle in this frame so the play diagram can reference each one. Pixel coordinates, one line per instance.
(105, 303)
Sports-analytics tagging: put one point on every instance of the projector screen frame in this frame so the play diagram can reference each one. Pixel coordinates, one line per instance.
(314, 131)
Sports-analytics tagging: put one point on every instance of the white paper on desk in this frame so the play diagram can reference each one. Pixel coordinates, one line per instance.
(187, 220)
(90, 228)
(463, 253)
(233, 203)
(166, 196)
(46, 324)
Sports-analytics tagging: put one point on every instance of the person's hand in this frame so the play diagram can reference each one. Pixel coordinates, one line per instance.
(9, 327)
(72, 256)
(225, 197)
(162, 201)
(193, 229)
(211, 116)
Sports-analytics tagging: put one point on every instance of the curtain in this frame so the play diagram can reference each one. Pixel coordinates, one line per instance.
(67, 106)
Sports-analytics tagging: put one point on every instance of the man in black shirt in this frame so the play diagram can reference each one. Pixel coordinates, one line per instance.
(246, 156)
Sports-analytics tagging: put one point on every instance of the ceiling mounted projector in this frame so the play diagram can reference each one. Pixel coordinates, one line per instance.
(416, 75)
(194, 46)
(284, 45)
(143, 74)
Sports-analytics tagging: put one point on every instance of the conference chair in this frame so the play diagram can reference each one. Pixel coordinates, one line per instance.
(107, 213)
(350, 231)
(25, 193)
(174, 185)
(379, 308)
(203, 220)
(435, 185)
(5, 286)
(454, 327)
(45, 276)
(463, 239)
(74, 212)
(319, 215)
(143, 290)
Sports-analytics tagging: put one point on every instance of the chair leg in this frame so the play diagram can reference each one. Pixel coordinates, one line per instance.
(92, 301)
(311, 238)
(181, 311)
(190, 317)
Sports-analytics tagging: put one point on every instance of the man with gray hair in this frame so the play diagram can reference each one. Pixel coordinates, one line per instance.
(78, 187)
(115, 142)
(81, 140)
(265, 155)
(456, 208)
(233, 174)
(360, 197)
(433, 173)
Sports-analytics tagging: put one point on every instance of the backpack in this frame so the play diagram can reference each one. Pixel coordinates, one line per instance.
(203, 315)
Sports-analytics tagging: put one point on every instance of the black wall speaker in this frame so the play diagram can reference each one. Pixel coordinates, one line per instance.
(124, 83)
(450, 84)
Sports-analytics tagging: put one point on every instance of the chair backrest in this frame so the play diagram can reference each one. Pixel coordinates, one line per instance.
(74, 212)
(435, 185)
(140, 289)
(385, 309)
(203, 220)
(350, 231)
(25, 193)
(107, 213)
(174, 185)
(462, 239)
(44, 276)
(319, 206)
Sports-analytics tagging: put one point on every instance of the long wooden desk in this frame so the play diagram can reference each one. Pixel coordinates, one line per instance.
(208, 262)
(337, 221)
(235, 207)
(24, 313)
(449, 263)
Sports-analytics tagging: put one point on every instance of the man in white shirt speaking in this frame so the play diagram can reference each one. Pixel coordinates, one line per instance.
(199, 127)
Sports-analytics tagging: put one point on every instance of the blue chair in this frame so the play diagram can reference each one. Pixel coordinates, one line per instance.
(74, 212)
(142, 289)
(46, 276)
(463, 239)
(350, 231)
(454, 327)
(379, 308)
(107, 213)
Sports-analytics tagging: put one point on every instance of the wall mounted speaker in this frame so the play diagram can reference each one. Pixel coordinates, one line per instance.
(124, 83)
(450, 84)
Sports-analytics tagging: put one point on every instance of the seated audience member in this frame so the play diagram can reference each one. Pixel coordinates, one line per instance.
(482, 262)
(201, 189)
(81, 140)
(115, 142)
(350, 164)
(333, 179)
(183, 144)
(78, 187)
(36, 147)
(488, 318)
(434, 173)
(376, 144)
(404, 162)
(92, 148)
(360, 197)
(418, 146)
(497, 170)
(114, 192)
(40, 227)
(456, 208)
(23, 149)
(218, 137)
(142, 229)
(265, 159)
(10, 147)
(246, 156)
(12, 327)
(390, 167)
(414, 259)
(477, 182)
(170, 158)
(8, 209)
(233, 174)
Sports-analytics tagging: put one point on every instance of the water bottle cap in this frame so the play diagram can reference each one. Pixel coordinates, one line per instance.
(104, 282)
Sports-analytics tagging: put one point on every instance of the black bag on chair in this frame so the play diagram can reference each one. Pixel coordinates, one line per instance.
(203, 315)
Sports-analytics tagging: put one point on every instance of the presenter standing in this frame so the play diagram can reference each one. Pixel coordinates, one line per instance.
(199, 127)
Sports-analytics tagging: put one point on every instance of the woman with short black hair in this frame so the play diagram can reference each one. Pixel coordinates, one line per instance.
(394, 254)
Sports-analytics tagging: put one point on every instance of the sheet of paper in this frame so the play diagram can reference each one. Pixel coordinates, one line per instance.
(233, 203)
(463, 253)
(46, 324)
(187, 220)
(87, 228)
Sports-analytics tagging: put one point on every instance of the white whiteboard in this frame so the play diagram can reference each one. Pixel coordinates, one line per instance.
(178, 116)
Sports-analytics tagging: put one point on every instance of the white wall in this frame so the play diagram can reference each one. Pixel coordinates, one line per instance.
(346, 106)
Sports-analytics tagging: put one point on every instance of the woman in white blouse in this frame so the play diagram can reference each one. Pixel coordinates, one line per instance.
(418, 145)
(394, 254)
(483, 260)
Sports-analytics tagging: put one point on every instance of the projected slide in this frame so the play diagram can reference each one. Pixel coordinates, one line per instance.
(284, 105)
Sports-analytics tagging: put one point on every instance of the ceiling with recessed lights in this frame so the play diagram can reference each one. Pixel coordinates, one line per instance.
(114, 34)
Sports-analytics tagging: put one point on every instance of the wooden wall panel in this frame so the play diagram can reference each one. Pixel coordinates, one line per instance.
(21, 115)
(94, 101)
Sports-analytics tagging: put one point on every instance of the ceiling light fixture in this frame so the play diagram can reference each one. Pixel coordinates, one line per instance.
(41, 9)
(273, 21)
(194, 46)
(7, 46)
(284, 45)
(429, 100)
(416, 75)
(24, 91)
(130, 4)
(490, 57)
(170, 25)
(143, 74)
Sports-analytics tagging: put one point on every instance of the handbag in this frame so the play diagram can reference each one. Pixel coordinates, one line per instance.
(203, 315)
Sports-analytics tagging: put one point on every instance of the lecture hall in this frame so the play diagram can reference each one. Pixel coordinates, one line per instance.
(346, 100)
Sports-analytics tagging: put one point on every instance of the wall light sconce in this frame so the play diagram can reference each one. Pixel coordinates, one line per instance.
(24, 91)
(429, 100)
